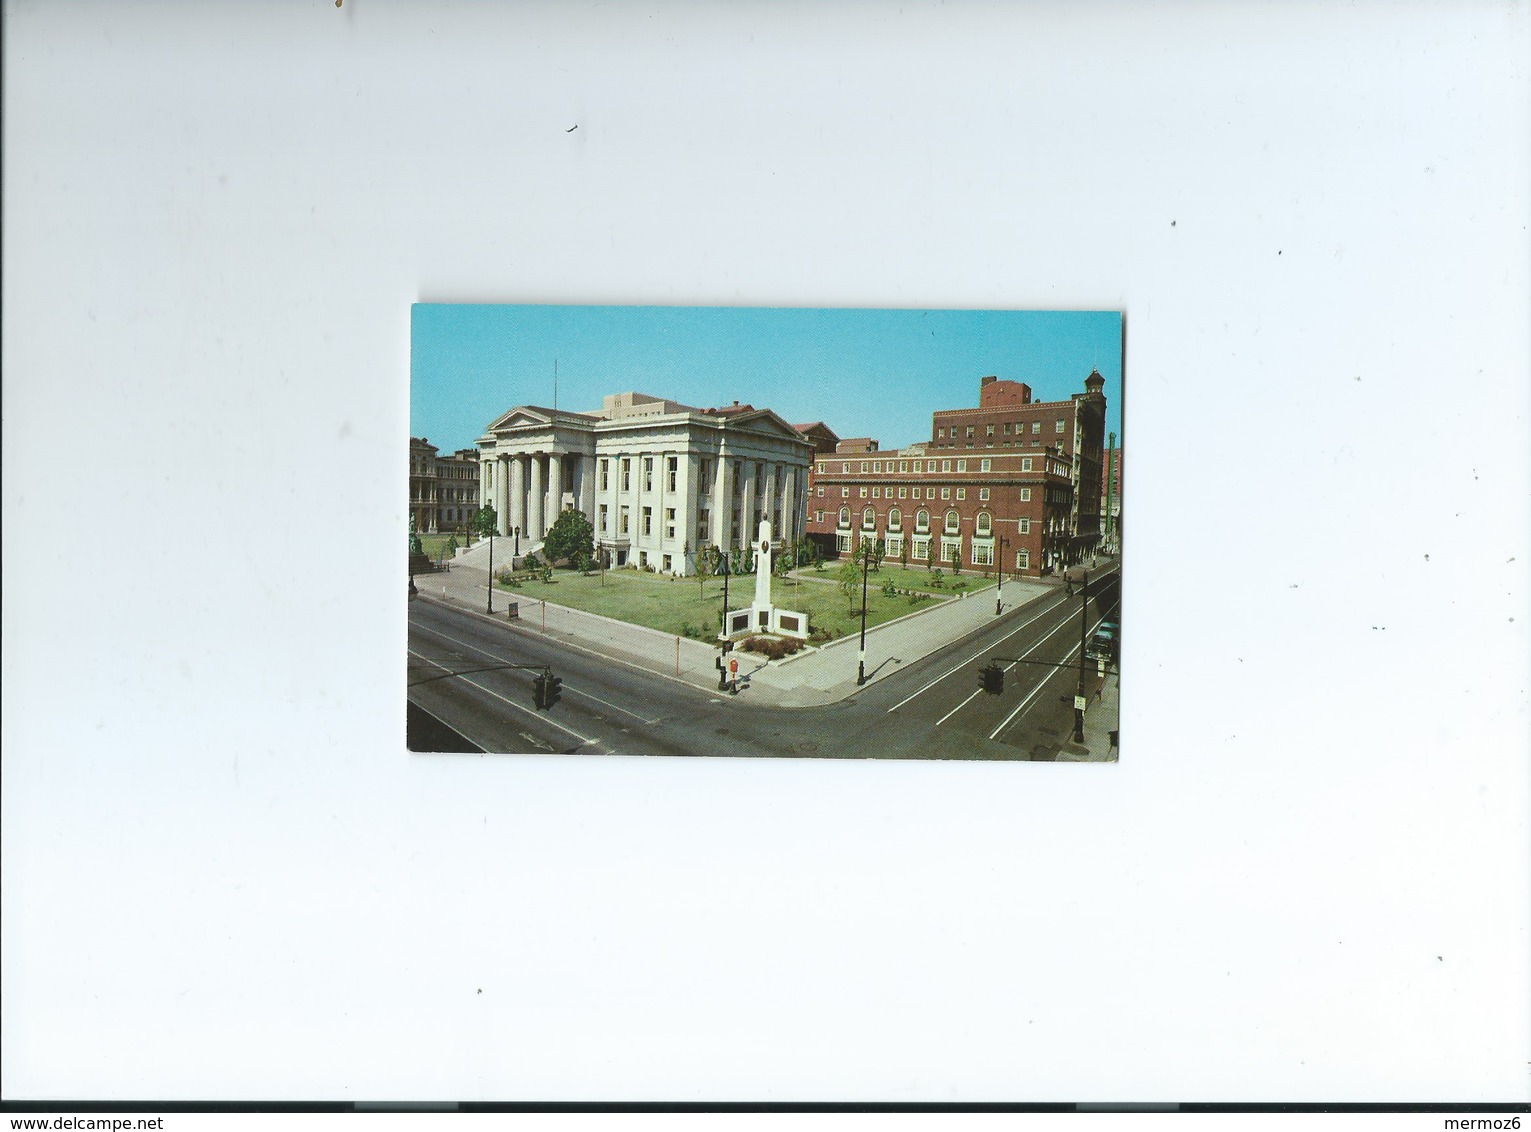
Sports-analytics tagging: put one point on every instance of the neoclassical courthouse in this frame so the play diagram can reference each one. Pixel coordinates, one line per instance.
(656, 478)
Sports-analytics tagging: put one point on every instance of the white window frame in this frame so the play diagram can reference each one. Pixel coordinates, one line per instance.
(1025, 463)
(1025, 495)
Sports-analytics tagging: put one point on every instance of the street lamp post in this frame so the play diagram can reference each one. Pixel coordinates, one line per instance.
(515, 550)
(489, 594)
(999, 586)
(861, 657)
(723, 654)
(1084, 614)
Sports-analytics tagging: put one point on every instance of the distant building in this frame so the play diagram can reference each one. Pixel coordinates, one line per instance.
(1111, 500)
(443, 490)
(657, 479)
(1013, 481)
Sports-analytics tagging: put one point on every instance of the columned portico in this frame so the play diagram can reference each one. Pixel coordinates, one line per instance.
(518, 492)
(502, 496)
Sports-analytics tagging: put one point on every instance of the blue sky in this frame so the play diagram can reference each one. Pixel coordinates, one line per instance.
(878, 373)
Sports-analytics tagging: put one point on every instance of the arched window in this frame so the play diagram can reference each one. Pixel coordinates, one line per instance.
(869, 519)
(845, 516)
(922, 521)
(953, 522)
(984, 528)
(895, 519)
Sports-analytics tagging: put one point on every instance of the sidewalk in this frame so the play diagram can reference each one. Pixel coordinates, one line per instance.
(1101, 718)
(814, 676)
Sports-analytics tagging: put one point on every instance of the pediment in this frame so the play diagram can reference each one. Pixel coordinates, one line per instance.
(766, 421)
(522, 416)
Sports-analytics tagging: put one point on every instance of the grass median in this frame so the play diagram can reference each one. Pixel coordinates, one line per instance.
(685, 608)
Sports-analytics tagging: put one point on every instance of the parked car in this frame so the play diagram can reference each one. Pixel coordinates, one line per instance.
(1105, 645)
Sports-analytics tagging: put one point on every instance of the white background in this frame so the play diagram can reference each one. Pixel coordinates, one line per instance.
(1308, 876)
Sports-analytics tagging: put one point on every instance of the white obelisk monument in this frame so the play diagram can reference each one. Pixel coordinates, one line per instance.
(760, 608)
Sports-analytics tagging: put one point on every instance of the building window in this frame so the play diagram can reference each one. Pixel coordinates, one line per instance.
(669, 522)
(968, 432)
(1007, 428)
(845, 516)
(604, 470)
(876, 493)
(648, 473)
(845, 468)
(1025, 463)
(869, 519)
(648, 521)
(951, 549)
(930, 493)
(1058, 426)
(983, 494)
(1025, 526)
(903, 493)
(946, 465)
(985, 524)
(953, 522)
(818, 516)
(863, 493)
(895, 545)
(940, 434)
(604, 518)
(821, 467)
(665, 563)
(985, 465)
(876, 465)
(919, 548)
(983, 554)
(1036, 427)
(643, 559)
(1025, 495)
(622, 518)
(845, 493)
(674, 462)
(842, 542)
(946, 493)
(903, 465)
(821, 491)
(962, 493)
(1022, 559)
(917, 465)
(922, 521)
(988, 430)
(627, 475)
(863, 467)
(962, 465)
(895, 519)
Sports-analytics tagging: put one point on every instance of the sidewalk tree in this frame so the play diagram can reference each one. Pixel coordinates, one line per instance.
(956, 560)
(848, 578)
(570, 537)
(483, 521)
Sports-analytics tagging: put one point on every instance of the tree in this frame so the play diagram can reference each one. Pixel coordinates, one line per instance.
(848, 578)
(956, 559)
(903, 553)
(483, 521)
(569, 537)
(707, 559)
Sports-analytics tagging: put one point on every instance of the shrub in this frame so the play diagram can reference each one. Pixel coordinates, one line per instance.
(773, 647)
(889, 589)
(937, 579)
(915, 597)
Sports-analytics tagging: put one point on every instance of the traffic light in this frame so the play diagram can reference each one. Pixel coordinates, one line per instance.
(991, 678)
(540, 691)
(551, 694)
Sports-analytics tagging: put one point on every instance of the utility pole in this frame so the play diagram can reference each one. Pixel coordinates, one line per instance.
(1000, 585)
(861, 657)
(489, 595)
(1110, 455)
(1084, 614)
(723, 656)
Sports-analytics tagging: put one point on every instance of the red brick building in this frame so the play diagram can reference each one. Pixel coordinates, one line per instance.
(1111, 499)
(1013, 482)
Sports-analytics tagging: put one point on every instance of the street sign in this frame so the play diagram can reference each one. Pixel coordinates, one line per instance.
(514, 610)
(1079, 702)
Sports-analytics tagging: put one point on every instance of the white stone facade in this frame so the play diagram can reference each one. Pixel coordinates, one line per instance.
(656, 478)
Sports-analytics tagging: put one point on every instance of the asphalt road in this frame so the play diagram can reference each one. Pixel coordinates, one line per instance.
(475, 677)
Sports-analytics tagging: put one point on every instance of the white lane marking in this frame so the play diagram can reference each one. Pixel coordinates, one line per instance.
(567, 687)
(566, 644)
(958, 708)
(512, 703)
(1022, 705)
(483, 747)
(976, 655)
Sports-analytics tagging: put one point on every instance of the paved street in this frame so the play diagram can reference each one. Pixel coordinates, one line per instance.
(462, 672)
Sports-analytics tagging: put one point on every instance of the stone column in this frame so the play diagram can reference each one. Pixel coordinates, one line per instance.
(485, 469)
(502, 495)
(555, 488)
(722, 502)
(685, 509)
(536, 498)
(789, 505)
(747, 503)
(517, 506)
(587, 487)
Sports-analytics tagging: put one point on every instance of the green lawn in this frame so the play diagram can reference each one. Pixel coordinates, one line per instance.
(684, 608)
(912, 578)
(435, 545)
